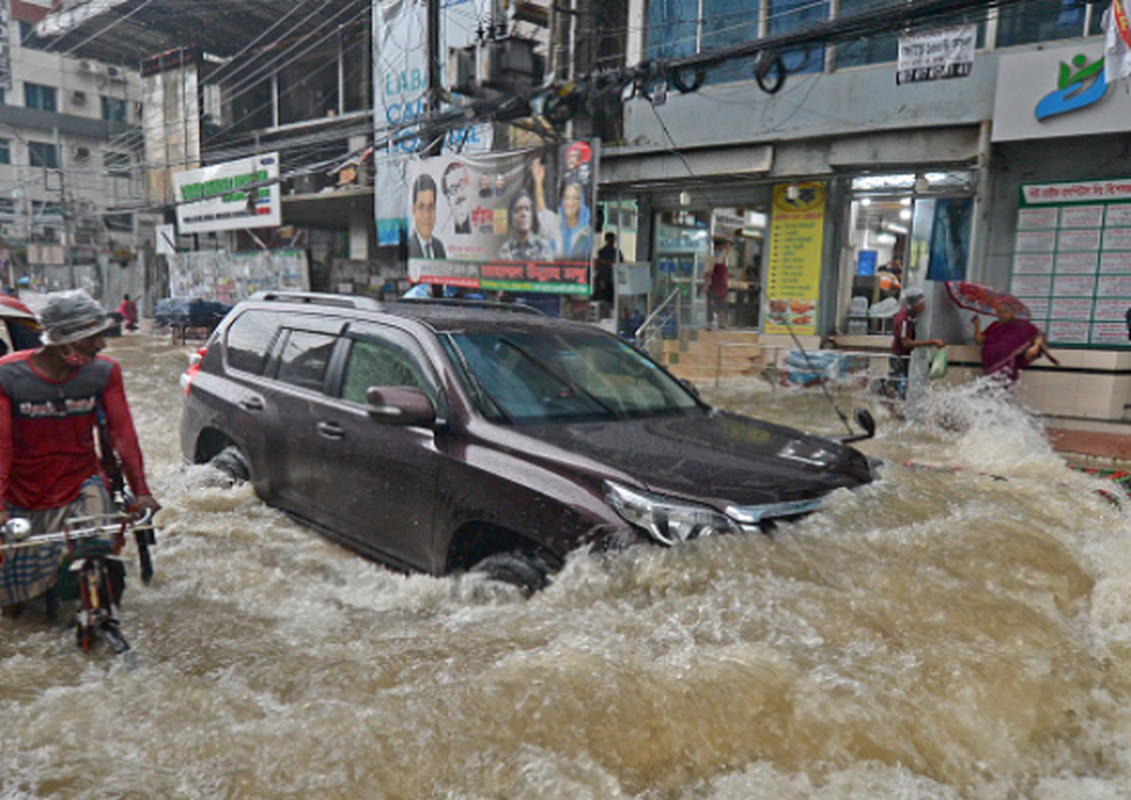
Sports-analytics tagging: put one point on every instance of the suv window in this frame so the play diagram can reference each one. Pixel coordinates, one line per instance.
(378, 364)
(248, 339)
(304, 358)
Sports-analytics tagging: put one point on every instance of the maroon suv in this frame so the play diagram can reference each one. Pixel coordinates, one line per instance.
(439, 437)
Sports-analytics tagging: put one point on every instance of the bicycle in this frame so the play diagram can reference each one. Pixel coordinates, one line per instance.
(91, 573)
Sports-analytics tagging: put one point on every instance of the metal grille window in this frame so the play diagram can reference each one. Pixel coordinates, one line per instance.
(5, 151)
(42, 97)
(43, 154)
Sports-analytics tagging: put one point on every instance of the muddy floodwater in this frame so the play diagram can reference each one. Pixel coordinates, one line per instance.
(946, 633)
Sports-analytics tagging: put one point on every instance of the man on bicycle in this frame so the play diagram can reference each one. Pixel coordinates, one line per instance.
(51, 400)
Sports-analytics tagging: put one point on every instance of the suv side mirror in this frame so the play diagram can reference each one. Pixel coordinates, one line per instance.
(866, 422)
(399, 405)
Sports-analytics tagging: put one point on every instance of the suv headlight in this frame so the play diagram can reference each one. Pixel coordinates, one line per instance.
(667, 519)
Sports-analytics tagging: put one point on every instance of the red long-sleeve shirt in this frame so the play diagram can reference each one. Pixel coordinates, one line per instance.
(47, 431)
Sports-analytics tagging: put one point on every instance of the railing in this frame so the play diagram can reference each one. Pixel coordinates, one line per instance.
(653, 326)
(871, 375)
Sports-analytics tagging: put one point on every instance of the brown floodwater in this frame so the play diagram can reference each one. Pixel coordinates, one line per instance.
(946, 633)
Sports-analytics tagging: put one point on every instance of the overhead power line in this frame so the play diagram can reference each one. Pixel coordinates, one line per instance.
(564, 99)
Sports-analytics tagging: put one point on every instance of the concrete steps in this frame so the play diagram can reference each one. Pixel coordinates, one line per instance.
(704, 356)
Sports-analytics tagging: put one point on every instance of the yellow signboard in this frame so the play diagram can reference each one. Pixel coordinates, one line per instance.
(793, 274)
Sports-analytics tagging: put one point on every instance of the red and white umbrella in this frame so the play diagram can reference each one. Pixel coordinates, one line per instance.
(985, 299)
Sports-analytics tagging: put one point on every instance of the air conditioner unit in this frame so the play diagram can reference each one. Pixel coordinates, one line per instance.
(115, 73)
(90, 67)
(82, 152)
(78, 97)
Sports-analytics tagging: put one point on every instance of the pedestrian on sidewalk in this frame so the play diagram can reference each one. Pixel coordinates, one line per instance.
(128, 311)
(715, 284)
(904, 341)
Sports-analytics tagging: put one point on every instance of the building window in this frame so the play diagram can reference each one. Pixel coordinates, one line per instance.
(25, 30)
(41, 97)
(727, 23)
(873, 49)
(1040, 21)
(113, 109)
(122, 223)
(3, 101)
(784, 16)
(5, 151)
(41, 209)
(43, 154)
(672, 28)
(117, 165)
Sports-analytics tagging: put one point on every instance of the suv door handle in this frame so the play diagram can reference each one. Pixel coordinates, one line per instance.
(252, 403)
(331, 430)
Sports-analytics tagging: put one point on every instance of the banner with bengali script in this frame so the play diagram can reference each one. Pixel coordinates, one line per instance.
(518, 221)
(793, 273)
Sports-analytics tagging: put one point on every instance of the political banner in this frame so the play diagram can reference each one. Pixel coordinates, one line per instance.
(517, 221)
(401, 79)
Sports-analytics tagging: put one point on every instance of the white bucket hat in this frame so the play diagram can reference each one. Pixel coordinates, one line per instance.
(70, 317)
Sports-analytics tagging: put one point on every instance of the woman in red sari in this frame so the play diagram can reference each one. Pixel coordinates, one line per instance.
(1010, 344)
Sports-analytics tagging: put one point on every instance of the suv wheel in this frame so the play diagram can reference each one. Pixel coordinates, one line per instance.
(232, 463)
(528, 571)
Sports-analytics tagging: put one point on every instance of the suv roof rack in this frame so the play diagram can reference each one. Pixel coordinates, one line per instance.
(457, 302)
(318, 299)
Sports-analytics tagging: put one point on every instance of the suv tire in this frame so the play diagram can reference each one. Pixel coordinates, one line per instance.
(527, 571)
(232, 463)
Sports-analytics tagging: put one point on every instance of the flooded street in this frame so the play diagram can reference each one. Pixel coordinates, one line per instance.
(957, 633)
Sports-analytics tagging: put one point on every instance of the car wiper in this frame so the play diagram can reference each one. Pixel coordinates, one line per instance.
(563, 381)
(477, 388)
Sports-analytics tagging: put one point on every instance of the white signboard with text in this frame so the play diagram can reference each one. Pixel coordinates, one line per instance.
(936, 55)
(1072, 259)
(229, 196)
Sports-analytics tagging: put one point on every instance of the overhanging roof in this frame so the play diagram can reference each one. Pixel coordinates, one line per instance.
(127, 31)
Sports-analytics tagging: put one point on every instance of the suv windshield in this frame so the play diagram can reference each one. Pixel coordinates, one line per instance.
(537, 377)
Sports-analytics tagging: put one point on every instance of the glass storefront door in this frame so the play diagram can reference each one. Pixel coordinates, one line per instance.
(902, 230)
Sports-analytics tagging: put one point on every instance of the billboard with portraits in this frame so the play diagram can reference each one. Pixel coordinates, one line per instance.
(518, 221)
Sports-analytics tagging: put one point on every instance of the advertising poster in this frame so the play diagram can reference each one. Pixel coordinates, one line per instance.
(793, 271)
(401, 80)
(950, 239)
(517, 222)
(218, 197)
(1079, 289)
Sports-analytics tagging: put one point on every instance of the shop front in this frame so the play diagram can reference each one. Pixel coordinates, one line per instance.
(901, 229)
(1060, 231)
